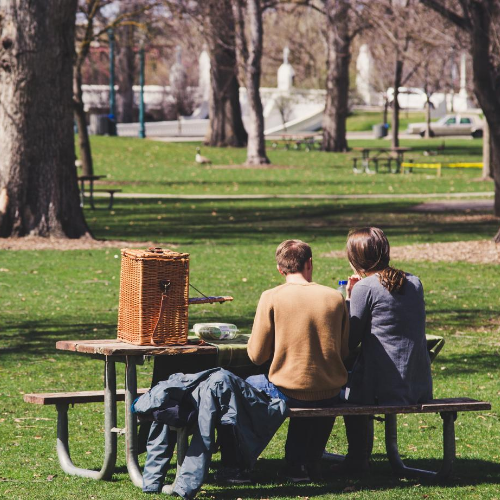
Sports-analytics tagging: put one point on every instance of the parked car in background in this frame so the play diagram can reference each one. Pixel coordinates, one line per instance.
(455, 124)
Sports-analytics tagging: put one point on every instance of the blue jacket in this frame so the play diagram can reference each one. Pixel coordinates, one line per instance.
(221, 398)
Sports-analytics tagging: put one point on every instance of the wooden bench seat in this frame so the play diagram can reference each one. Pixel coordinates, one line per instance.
(71, 398)
(447, 408)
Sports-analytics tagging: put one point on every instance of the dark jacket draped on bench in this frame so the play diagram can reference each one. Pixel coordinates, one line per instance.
(221, 398)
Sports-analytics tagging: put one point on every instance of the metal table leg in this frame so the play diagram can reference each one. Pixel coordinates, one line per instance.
(91, 192)
(131, 422)
(400, 469)
(82, 192)
(110, 438)
(182, 446)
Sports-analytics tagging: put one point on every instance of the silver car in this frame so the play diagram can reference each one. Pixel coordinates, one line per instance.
(455, 124)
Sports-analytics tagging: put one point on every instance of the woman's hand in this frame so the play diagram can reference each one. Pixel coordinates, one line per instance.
(351, 281)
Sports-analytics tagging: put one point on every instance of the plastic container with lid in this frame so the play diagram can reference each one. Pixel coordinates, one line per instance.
(215, 331)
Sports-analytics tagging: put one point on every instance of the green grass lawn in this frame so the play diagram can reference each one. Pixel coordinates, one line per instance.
(48, 296)
(145, 166)
(363, 121)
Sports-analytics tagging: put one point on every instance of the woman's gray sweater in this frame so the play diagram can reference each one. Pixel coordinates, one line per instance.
(393, 366)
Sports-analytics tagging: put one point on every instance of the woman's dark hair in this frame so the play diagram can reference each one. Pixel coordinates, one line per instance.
(368, 250)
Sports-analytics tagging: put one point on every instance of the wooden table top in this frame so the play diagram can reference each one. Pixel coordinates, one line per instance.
(113, 347)
(90, 177)
(399, 148)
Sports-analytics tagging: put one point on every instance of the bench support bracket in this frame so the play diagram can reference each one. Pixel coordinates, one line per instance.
(400, 469)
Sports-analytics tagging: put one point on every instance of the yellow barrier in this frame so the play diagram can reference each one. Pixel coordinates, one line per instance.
(465, 165)
(438, 166)
(421, 165)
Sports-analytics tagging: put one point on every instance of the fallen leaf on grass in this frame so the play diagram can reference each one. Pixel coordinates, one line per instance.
(51, 477)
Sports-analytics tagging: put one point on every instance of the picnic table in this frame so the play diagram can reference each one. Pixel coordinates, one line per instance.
(83, 179)
(378, 154)
(309, 141)
(228, 354)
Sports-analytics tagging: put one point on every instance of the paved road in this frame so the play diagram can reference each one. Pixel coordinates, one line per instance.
(417, 196)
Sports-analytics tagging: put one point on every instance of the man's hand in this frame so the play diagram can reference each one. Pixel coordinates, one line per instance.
(351, 281)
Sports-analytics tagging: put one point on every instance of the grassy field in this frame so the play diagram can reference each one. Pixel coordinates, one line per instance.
(48, 296)
(144, 166)
(363, 121)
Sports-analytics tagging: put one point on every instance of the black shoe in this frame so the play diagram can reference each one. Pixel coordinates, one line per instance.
(297, 474)
(314, 471)
(232, 475)
(352, 468)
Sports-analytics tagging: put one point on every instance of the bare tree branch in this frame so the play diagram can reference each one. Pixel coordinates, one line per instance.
(448, 14)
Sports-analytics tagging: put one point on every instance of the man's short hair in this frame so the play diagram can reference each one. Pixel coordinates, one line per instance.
(292, 255)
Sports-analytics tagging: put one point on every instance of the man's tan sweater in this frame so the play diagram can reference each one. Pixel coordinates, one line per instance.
(304, 329)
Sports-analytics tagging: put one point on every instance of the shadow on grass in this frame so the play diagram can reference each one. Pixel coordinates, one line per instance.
(467, 472)
(274, 219)
(39, 338)
(478, 363)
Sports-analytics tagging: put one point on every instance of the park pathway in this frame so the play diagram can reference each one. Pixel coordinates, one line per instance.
(410, 196)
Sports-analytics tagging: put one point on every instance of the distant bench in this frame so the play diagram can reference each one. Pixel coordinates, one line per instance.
(111, 193)
(447, 408)
(410, 165)
(83, 179)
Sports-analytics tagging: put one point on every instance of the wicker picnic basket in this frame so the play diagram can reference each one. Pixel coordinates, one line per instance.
(154, 297)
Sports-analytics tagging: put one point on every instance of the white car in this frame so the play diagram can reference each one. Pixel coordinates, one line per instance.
(457, 124)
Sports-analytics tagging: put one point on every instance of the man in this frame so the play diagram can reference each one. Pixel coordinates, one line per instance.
(302, 328)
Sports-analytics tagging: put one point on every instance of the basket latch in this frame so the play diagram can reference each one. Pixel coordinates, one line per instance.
(164, 287)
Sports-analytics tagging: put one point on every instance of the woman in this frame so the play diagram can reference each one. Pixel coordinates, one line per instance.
(387, 321)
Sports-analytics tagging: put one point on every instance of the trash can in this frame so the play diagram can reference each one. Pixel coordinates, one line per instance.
(379, 131)
(99, 124)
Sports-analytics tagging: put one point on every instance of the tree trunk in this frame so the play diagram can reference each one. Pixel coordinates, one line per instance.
(398, 74)
(225, 123)
(125, 62)
(487, 89)
(485, 75)
(38, 185)
(487, 173)
(428, 116)
(337, 78)
(256, 148)
(81, 123)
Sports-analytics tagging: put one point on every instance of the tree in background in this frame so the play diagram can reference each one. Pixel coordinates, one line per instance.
(38, 185)
(225, 125)
(396, 24)
(338, 38)
(343, 23)
(216, 26)
(126, 36)
(480, 19)
(93, 24)
(249, 37)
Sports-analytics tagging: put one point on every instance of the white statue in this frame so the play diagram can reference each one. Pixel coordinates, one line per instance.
(178, 76)
(463, 75)
(204, 74)
(286, 73)
(364, 75)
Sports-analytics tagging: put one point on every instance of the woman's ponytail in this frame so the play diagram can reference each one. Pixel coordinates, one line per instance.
(392, 279)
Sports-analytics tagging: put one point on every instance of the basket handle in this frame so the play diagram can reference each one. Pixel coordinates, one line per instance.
(164, 286)
(158, 250)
